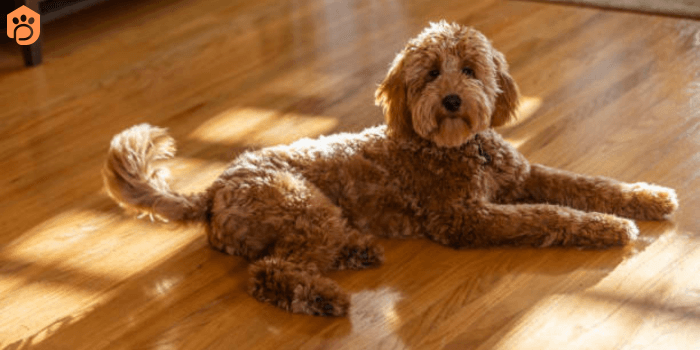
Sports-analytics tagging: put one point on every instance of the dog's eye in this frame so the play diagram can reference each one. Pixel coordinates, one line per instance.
(468, 71)
(434, 73)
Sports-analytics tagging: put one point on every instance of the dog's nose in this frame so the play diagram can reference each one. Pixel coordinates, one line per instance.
(452, 102)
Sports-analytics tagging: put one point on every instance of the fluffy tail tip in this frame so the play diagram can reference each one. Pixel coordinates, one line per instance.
(131, 179)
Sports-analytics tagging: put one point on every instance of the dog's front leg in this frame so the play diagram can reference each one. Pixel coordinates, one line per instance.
(528, 224)
(601, 194)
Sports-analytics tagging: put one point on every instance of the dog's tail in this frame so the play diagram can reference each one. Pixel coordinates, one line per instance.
(137, 185)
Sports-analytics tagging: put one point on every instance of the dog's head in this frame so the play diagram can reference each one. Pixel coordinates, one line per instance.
(447, 84)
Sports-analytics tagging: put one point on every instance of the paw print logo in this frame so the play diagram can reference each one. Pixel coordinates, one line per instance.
(23, 25)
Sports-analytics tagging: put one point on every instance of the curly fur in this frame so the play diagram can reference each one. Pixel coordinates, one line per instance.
(436, 170)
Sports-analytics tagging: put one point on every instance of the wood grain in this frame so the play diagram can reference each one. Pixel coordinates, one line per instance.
(605, 93)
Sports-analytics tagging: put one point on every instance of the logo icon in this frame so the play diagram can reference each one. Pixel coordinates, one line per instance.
(23, 25)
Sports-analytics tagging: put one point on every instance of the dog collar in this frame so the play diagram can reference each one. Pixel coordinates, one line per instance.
(486, 157)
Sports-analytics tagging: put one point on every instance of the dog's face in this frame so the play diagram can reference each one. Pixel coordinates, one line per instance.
(447, 84)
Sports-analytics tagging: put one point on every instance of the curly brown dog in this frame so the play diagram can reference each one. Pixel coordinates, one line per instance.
(435, 170)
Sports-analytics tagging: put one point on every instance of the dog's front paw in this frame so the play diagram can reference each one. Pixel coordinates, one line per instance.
(604, 230)
(651, 202)
(620, 231)
(322, 297)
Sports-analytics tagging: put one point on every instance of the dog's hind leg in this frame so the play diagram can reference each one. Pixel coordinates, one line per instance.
(296, 287)
(291, 276)
(305, 236)
(359, 251)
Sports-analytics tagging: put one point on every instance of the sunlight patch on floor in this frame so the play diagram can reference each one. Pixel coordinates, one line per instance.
(49, 239)
(517, 142)
(78, 241)
(528, 107)
(630, 305)
(36, 310)
(374, 319)
(163, 285)
(261, 127)
(71, 262)
(187, 175)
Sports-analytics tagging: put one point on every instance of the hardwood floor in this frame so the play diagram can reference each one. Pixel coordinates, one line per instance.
(605, 93)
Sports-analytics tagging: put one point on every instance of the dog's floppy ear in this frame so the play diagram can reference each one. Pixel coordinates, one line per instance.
(508, 99)
(391, 95)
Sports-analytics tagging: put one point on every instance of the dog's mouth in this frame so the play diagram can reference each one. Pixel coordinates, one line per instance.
(451, 131)
(453, 117)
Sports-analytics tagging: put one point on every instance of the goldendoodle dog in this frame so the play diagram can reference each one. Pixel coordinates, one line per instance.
(436, 169)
